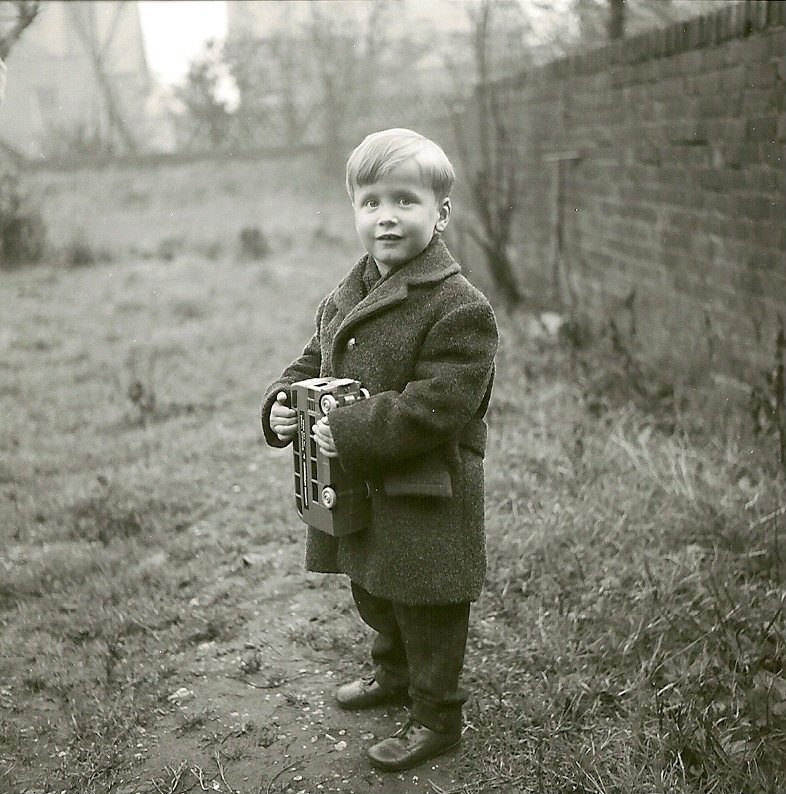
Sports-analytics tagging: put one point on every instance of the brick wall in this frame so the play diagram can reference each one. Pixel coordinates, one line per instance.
(674, 215)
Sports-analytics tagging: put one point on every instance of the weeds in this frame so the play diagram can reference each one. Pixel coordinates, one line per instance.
(170, 247)
(141, 389)
(253, 243)
(143, 398)
(635, 631)
(79, 252)
(768, 400)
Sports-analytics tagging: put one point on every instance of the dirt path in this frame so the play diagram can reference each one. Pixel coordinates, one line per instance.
(258, 715)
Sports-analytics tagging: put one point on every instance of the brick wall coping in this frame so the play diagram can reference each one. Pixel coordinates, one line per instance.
(707, 30)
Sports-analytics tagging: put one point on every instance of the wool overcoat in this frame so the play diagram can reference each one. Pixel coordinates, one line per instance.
(423, 342)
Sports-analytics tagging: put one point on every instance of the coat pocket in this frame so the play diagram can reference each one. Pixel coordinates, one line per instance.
(430, 478)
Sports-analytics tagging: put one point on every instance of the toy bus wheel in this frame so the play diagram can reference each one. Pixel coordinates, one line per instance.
(327, 403)
(329, 498)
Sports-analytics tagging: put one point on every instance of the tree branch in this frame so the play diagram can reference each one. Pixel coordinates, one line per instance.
(26, 12)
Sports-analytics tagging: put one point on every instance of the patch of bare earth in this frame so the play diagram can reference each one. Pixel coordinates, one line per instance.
(257, 714)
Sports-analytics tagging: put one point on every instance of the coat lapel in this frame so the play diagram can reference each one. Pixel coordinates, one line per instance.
(349, 292)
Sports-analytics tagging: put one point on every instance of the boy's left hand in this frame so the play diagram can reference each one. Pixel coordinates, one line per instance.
(324, 438)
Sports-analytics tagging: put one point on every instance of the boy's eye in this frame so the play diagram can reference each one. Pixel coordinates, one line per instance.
(371, 203)
(405, 201)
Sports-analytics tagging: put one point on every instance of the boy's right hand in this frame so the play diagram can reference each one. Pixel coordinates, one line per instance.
(283, 419)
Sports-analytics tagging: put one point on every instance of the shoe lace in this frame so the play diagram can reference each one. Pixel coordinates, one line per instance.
(409, 727)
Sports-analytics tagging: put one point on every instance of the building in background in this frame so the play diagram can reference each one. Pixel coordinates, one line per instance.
(81, 82)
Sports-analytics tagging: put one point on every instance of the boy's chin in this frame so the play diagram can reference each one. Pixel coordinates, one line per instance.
(393, 259)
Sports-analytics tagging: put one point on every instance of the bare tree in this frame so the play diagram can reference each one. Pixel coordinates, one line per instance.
(320, 68)
(347, 54)
(494, 173)
(602, 20)
(22, 231)
(275, 87)
(83, 21)
(616, 25)
(26, 11)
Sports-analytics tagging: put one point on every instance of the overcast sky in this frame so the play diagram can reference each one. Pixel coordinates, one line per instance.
(175, 31)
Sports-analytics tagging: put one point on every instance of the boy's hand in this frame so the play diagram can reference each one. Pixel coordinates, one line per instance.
(324, 438)
(283, 419)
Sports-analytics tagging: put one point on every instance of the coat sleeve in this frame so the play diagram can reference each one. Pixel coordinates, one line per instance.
(306, 365)
(453, 374)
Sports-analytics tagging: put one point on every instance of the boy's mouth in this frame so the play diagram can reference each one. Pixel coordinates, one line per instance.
(389, 237)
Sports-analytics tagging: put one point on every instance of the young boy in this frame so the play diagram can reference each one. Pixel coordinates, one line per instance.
(422, 340)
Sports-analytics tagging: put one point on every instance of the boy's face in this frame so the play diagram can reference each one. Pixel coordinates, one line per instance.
(397, 215)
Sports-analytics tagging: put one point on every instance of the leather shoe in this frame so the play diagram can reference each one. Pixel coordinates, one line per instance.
(366, 693)
(411, 746)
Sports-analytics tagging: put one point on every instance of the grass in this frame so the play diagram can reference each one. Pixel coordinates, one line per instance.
(632, 633)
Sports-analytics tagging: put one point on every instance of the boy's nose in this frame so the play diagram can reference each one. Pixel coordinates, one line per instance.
(387, 215)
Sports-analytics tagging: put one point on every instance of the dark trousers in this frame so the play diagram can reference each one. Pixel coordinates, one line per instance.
(419, 648)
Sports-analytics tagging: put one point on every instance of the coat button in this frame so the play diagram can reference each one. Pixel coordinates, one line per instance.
(352, 344)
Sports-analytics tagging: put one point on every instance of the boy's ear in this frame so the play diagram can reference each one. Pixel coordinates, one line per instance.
(444, 215)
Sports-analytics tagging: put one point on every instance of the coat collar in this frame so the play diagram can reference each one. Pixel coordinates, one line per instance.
(432, 265)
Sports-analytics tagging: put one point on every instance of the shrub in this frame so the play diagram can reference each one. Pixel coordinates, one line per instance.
(170, 247)
(79, 252)
(76, 144)
(253, 243)
(22, 229)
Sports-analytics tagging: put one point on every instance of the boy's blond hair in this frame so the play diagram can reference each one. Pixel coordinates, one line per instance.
(379, 153)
